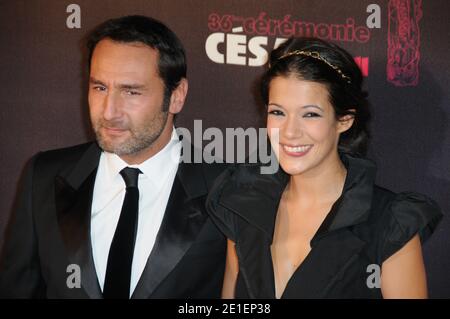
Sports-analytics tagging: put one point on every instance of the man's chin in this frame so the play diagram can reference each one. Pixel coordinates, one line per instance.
(109, 147)
(122, 149)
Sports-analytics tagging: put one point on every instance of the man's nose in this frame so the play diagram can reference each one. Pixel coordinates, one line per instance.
(111, 107)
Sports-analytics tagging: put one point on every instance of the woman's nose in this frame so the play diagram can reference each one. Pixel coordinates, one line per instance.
(292, 128)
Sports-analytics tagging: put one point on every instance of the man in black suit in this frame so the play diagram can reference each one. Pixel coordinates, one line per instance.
(121, 217)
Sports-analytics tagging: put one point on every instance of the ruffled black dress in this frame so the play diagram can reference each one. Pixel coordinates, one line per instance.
(365, 226)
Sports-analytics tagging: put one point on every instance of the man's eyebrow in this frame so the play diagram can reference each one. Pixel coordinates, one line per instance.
(126, 86)
(131, 86)
(93, 80)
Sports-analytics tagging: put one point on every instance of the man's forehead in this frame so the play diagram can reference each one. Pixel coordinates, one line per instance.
(122, 45)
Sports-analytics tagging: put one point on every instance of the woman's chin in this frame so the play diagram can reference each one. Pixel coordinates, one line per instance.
(293, 169)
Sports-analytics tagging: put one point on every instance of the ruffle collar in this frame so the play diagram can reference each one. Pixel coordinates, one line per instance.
(255, 197)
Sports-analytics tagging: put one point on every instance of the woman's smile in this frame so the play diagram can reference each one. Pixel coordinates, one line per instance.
(296, 150)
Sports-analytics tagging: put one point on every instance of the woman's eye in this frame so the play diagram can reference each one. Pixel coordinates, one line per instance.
(312, 114)
(276, 112)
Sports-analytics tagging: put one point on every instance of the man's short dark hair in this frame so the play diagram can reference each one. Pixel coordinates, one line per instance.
(151, 32)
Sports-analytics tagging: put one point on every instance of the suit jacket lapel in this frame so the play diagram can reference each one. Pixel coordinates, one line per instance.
(73, 199)
(183, 219)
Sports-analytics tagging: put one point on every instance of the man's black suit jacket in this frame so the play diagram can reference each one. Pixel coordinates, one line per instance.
(50, 231)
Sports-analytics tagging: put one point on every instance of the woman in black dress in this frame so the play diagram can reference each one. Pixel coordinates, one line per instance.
(319, 227)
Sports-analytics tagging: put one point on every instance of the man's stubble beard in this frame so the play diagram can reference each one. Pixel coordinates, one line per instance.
(140, 138)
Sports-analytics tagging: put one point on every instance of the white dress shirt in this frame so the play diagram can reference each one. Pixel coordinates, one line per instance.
(155, 185)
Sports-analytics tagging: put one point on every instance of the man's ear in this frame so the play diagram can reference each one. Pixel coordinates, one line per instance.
(178, 97)
(345, 122)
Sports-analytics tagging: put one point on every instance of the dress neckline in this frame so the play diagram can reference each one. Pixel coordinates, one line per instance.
(255, 198)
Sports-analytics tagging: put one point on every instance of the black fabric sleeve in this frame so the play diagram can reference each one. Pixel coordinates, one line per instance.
(410, 214)
(222, 217)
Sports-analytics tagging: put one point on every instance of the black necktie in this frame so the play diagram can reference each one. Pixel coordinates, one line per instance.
(120, 258)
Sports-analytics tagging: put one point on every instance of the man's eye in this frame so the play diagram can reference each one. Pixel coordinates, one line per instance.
(312, 114)
(276, 112)
(130, 92)
(99, 88)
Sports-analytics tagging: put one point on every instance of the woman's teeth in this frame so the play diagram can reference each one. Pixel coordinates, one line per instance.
(297, 149)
